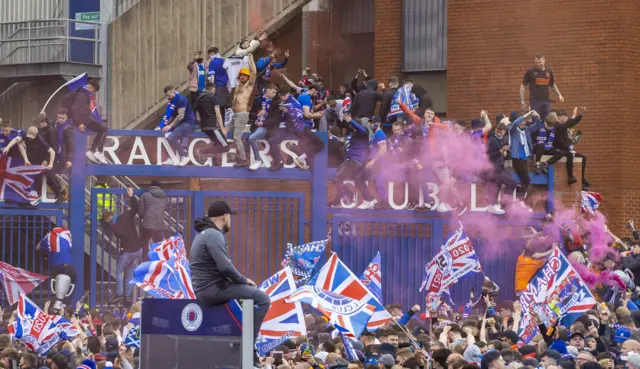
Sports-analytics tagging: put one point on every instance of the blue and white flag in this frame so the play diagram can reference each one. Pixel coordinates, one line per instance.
(34, 328)
(302, 259)
(556, 292)
(347, 315)
(132, 339)
(78, 82)
(372, 277)
(406, 97)
(456, 259)
(349, 351)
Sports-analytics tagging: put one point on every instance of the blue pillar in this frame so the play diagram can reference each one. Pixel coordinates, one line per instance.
(319, 186)
(76, 210)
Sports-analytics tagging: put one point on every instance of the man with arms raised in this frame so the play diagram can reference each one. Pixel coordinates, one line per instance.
(246, 81)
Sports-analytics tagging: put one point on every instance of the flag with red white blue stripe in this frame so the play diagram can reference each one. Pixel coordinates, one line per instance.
(34, 328)
(372, 277)
(162, 280)
(556, 292)
(17, 282)
(590, 201)
(347, 315)
(456, 259)
(284, 320)
(57, 241)
(16, 180)
(336, 278)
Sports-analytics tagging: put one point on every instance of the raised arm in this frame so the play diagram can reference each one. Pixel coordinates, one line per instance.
(290, 82)
(487, 122)
(415, 118)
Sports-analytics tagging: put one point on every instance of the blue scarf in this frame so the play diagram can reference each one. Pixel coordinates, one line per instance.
(542, 137)
(61, 128)
(267, 71)
(202, 77)
(168, 113)
(266, 104)
(296, 113)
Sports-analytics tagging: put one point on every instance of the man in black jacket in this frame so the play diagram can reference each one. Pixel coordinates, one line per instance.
(39, 152)
(564, 145)
(387, 98)
(47, 131)
(364, 105)
(130, 252)
(82, 113)
(211, 121)
(497, 150)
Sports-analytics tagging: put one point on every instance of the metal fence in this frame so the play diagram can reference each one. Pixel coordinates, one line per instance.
(20, 233)
(49, 41)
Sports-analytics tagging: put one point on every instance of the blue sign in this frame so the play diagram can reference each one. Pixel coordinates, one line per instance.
(190, 318)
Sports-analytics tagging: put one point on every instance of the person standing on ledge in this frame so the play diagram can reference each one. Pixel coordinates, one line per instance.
(246, 79)
(215, 279)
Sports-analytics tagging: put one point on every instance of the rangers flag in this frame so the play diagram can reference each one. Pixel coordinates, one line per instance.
(34, 328)
(372, 277)
(456, 259)
(16, 180)
(336, 278)
(303, 259)
(284, 320)
(162, 280)
(556, 292)
(348, 316)
(17, 282)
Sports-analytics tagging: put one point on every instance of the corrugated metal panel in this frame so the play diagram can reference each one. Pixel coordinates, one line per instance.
(356, 16)
(22, 10)
(425, 35)
(406, 245)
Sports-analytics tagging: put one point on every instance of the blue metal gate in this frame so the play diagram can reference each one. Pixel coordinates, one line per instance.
(21, 231)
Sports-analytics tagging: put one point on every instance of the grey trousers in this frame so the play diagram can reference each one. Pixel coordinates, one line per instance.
(240, 121)
(212, 295)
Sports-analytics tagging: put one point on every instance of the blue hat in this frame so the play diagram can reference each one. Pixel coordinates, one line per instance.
(87, 364)
(560, 346)
(622, 334)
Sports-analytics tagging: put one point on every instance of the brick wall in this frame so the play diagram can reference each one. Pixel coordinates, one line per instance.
(387, 48)
(592, 52)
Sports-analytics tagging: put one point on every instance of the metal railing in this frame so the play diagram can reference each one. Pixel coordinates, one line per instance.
(49, 41)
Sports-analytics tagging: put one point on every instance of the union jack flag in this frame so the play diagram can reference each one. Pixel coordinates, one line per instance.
(34, 328)
(556, 292)
(336, 278)
(348, 316)
(456, 259)
(16, 180)
(17, 282)
(372, 277)
(68, 330)
(162, 280)
(284, 320)
(57, 241)
(591, 201)
(174, 247)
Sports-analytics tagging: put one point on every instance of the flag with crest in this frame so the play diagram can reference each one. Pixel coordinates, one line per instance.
(284, 320)
(17, 282)
(556, 292)
(302, 259)
(372, 277)
(336, 278)
(34, 328)
(455, 260)
(16, 180)
(590, 201)
(349, 316)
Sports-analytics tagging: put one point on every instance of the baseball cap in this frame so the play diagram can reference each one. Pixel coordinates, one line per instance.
(387, 360)
(220, 208)
(111, 344)
(245, 71)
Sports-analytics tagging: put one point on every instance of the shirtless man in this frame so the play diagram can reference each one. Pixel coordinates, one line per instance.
(246, 81)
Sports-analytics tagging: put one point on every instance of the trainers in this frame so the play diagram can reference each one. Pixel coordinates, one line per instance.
(572, 180)
(495, 209)
(585, 183)
(538, 170)
(422, 208)
(100, 158)
(62, 197)
(544, 168)
(444, 208)
(366, 205)
(184, 161)
(169, 162)
(523, 205)
(91, 157)
(301, 163)
(255, 165)
(334, 204)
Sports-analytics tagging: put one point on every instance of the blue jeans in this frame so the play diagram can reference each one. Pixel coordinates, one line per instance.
(175, 138)
(125, 264)
(541, 107)
(259, 134)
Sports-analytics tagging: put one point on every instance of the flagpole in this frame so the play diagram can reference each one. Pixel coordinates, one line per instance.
(52, 95)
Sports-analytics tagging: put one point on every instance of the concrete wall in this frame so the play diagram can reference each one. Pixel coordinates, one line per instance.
(152, 42)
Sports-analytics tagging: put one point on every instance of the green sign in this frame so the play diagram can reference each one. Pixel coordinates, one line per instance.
(87, 17)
